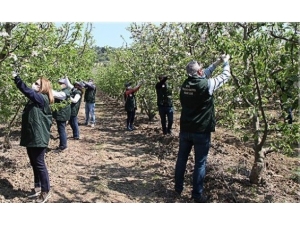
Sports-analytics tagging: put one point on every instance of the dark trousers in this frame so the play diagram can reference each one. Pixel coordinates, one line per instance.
(290, 115)
(40, 172)
(130, 118)
(61, 128)
(74, 125)
(166, 112)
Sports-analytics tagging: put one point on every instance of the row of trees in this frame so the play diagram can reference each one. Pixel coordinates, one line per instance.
(265, 70)
(265, 73)
(40, 49)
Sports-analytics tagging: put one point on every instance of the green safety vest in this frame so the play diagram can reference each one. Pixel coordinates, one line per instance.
(64, 113)
(197, 113)
(75, 106)
(36, 124)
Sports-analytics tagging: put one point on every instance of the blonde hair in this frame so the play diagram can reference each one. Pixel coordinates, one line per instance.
(46, 88)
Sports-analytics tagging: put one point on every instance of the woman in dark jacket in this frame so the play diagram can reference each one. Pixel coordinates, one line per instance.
(35, 131)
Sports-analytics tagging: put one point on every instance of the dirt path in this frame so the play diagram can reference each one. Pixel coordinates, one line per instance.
(110, 164)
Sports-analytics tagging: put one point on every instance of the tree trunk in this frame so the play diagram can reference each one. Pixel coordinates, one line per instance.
(7, 143)
(258, 166)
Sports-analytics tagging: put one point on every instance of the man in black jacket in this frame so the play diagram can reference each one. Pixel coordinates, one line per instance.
(165, 104)
(89, 99)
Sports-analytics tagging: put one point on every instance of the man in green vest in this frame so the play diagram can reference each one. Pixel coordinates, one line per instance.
(197, 121)
(63, 114)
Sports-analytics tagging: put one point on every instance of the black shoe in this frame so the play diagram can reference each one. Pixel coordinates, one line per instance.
(202, 199)
(129, 128)
(60, 149)
(174, 194)
(177, 194)
(76, 138)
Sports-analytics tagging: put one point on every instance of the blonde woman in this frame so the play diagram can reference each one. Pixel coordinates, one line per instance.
(35, 131)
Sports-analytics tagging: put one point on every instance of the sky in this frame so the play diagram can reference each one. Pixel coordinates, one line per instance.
(109, 34)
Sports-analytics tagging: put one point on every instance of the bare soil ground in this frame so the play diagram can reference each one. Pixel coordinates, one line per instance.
(109, 164)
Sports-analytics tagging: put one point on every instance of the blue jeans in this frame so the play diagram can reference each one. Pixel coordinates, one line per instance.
(40, 172)
(61, 128)
(201, 143)
(74, 125)
(166, 111)
(89, 113)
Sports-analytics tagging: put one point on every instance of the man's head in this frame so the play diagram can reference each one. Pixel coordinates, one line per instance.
(160, 77)
(128, 85)
(78, 85)
(194, 68)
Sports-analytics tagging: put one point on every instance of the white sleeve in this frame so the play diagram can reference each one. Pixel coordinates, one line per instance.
(59, 95)
(75, 99)
(69, 85)
(217, 82)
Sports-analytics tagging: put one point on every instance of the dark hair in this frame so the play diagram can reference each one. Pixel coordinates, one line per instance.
(127, 84)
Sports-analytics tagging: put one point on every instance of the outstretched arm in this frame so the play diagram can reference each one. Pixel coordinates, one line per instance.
(161, 82)
(89, 85)
(59, 95)
(29, 93)
(209, 70)
(69, 85)
(75, 99)
(135, 89)
(217, 82)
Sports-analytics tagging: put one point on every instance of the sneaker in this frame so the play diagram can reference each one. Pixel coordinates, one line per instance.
(36, 193)
(92, 125)
(129, 128)
(43, 197)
